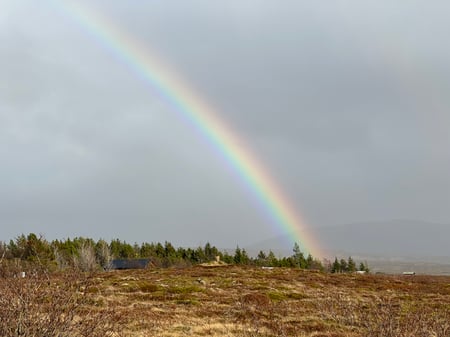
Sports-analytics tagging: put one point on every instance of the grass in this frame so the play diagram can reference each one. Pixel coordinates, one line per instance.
(243, 301)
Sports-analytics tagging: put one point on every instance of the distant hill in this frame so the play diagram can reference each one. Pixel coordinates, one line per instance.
(403, 238)
(417, 240)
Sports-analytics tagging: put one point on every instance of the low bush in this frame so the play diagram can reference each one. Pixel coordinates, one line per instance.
(52, 305)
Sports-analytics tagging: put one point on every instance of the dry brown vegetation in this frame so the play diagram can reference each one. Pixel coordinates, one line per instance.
(224, 301)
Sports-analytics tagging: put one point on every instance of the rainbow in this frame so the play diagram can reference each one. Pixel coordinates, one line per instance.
(197, 113)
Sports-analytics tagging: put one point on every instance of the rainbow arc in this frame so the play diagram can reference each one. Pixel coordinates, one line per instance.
(203, 118)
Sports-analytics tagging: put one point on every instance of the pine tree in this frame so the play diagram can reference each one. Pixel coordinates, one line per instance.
(272, 260)
(344, 267)
(227, 258)
(351, 265)
(261, 255)
(237, 256)
(147, 250)
(261, 259)
(299, 257)
(336, 268)
(309, 262)
(245, 259)
(364, 267)
(200, 255)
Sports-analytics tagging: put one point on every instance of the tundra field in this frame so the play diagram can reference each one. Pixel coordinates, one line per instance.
(223, 301)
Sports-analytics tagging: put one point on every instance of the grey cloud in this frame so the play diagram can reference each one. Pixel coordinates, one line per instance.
(344, 103)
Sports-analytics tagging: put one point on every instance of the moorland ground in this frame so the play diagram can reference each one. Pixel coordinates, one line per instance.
(224, 301)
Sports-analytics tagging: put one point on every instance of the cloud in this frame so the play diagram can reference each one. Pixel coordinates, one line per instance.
(346, 105)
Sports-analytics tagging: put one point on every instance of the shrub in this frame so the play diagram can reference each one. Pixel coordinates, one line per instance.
(52, 306)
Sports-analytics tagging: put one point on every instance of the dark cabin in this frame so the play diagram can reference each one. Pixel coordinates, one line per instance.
(130, 263)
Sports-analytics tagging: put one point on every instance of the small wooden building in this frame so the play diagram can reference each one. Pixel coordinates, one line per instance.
(130, 264)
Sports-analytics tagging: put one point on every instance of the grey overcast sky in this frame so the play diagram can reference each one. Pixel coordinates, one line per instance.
(345, 102)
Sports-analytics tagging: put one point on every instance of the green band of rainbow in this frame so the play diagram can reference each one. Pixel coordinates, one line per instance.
(190, 107)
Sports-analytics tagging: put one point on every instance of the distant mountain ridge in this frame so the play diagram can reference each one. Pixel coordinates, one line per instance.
(385, 239)
(402, 238)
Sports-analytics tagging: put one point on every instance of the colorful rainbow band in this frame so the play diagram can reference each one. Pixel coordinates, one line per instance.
(203, 119)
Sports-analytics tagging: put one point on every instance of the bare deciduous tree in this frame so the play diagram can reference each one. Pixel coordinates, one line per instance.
(86, 260)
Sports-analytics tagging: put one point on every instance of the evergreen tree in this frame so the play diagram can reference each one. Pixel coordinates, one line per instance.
(336, 267)
(182, 254)
(298, 257)
(364, 267)
(289, 262)
(351, 265)
(227, 258)
(272, 260)
(261, 256)
(237, 256)
(245, 259)
(169, 251)
(200, 255)
(147, 250)
(344, 266)
(309, 262)
(208, 252)
(261, 259)
(316, 265)
(159, 250)
(31, 248)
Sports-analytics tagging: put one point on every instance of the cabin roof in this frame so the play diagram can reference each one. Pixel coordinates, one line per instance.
(130, 263)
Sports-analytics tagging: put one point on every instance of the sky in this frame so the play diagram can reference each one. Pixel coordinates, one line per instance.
(345, 103)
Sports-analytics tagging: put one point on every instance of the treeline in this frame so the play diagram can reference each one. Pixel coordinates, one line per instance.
(88, 254)
(348, 266)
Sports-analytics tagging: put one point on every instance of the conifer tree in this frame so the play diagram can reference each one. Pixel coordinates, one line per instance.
(336, 268)
(227, 258)
(272, 260)
(200, 255)
(299, 257)
(364, 267)
(351, 265)
(261, 259)
(237, 255)
(207, 250)
(309, 262)
(169, 250)
(344, 266)
(245, 259)
(261, 255)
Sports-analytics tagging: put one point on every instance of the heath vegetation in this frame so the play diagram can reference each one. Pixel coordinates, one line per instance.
(54, 294)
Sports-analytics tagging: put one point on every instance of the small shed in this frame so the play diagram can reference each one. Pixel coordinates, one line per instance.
(130, 263)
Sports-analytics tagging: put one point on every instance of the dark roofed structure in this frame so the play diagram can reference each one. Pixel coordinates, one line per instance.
(130, 263)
